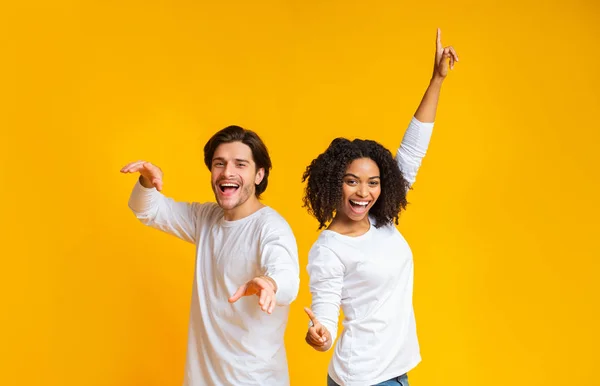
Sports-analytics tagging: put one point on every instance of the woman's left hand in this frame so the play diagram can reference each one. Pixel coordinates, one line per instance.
(445, 57)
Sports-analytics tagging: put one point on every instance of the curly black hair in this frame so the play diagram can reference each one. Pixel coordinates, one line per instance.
(324, 176)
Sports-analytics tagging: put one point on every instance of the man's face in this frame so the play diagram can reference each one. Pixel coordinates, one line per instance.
(234, 176)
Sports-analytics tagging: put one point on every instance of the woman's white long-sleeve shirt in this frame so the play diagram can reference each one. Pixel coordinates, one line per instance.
(371, 277)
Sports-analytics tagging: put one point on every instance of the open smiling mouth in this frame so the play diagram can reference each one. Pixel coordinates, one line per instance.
(359, 204)
(228, 188)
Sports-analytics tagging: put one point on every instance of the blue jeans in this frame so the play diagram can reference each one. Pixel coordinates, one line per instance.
(396, 381)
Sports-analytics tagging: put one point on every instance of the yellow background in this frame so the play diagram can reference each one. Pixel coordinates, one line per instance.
(503, 219)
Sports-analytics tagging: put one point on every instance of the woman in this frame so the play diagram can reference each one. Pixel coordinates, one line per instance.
(361, 261)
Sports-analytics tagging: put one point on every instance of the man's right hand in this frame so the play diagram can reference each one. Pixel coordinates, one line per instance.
(150, 175)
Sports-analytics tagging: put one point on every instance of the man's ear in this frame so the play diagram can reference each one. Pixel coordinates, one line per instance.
(260, 174)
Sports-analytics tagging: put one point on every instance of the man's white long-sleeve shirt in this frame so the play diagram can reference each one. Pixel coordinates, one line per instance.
(230, 344)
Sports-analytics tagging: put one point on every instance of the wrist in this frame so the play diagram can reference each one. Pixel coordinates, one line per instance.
(145, 182)
(270, 280)
(436, 81)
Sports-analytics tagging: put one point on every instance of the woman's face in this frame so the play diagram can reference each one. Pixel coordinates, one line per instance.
(361, 187)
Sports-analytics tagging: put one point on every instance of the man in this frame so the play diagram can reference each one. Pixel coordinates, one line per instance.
(243, 248)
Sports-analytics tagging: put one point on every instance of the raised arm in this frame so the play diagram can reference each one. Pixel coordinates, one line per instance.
(445, 57)
(154, 209)
(416, 138)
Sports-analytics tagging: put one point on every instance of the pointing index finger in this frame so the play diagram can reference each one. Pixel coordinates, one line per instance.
(310, 314)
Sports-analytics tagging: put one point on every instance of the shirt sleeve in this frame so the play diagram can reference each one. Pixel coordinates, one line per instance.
(413, 148)
(326, 273)
(152, 208)
(279, 256)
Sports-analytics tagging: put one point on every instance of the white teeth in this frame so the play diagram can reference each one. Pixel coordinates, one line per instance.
(230, 185)
(363, 203)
